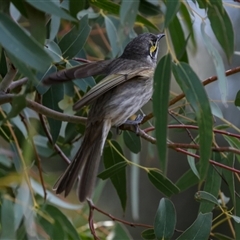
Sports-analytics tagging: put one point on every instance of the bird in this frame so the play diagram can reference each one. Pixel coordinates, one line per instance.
(126, 87)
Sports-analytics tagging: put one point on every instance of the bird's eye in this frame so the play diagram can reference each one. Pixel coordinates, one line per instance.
(153, 48)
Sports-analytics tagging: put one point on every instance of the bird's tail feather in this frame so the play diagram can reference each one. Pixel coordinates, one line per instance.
(85, 162)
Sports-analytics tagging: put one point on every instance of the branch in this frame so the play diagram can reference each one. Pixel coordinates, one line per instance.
(205, 82)
(6, 98)
(7, 80)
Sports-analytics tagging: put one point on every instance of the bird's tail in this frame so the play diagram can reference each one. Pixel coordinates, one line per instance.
(86, 162)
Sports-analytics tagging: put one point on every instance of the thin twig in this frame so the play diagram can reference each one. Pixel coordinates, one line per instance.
(49, 137)
(7, 80)
(17, 83)
(5, 98)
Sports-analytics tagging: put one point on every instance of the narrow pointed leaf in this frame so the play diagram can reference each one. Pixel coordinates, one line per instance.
(110, 158)
(206, 196)
(132, 141)
(221, 26)
(51, 7)
(113, 8)
(187, 180)
(109, 172)
(218, 62)
(172, 8)
(200, 229)
(51, 99)
(15, 40)
(162, 80)
(165, 220)
(178, 39)
(162, 183)
(197, 97)
(148, 234)
(72, 43)
(212, 185)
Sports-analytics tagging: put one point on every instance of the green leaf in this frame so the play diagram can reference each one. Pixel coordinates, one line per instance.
(51, 7)
(72, 43)
(221, 26)
(113, 8)
(24, 48)
(237, 99)
(112, 36)
(187, 180)
(162, 80)
(233, 142)
(132, 141)
(37, 23)
(206, 196)
(109, 172)
(60, 227)
(121, 232)
(165, 220)
(150, 8)
(76, 6)
(191, 162)
(128, 13)
(18, 104)
(178, 39)
(218, 62)
(216, 111)
(200, 229)
(110, 158)
(54, 51)
(54, 26)
(221, 236)
(172, 8)
(148, 234)
(186, 18)
(212, 186)
(7, 219)
(162, 183)
(197, 97)
(51, 99)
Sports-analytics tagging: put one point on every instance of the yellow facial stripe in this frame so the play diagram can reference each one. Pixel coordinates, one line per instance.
(153, 47)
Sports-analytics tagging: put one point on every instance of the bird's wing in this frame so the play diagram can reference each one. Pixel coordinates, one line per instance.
(110, 82)
(80, 71)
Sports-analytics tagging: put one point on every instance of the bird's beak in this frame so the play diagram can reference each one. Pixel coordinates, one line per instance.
(160, 36)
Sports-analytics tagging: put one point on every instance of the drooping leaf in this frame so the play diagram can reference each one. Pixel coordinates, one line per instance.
(75, 39)
(218, 62)
(148, 234)
(197, 97)
(112, 36)
(221, 26)
(114, 8)
(211, 185)
(200, 229)
(172, 8)
(109, 172)
(178, 39)
(110, 158)
(51, 99)
(128, 13)
(132, 141)
(162, 80)
(21, 46)
(52, 8)
(165, 220)
(162, 183)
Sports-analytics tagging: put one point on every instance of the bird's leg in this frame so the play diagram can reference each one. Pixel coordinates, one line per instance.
(135, 123)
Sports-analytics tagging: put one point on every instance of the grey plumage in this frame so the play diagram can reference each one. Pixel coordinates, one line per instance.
(125, 89)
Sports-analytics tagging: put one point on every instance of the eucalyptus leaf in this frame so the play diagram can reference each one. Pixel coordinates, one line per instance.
(162, 80)
(22, 47)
